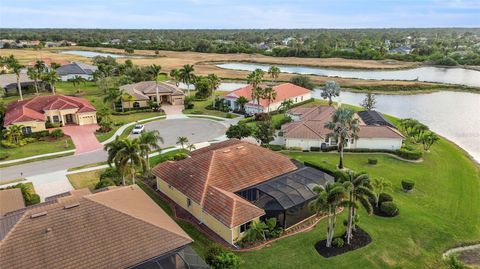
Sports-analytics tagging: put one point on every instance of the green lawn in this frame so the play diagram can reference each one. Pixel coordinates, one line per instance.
(199, 107)
(37, 148)
(443, 211)
(85, 179)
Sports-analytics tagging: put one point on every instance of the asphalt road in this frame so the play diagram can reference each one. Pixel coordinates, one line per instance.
(196, 130)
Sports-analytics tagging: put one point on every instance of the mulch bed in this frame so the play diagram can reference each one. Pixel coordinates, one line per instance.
(359, 240)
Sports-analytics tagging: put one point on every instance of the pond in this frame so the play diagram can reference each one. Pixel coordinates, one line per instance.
(91, 54)
(454, 115)
(459, 76)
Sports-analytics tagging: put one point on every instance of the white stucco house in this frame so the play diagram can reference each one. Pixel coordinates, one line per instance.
(307, 130)
(285, 91)
(69, 71)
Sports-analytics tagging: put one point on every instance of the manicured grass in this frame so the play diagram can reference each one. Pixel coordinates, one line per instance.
(163, 157)
(443, 211)
(199, 107)
(38, 148)
(276, 119)
(85, 179)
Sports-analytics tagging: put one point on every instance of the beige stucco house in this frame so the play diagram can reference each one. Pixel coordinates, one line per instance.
(34, 113)
(144, 91)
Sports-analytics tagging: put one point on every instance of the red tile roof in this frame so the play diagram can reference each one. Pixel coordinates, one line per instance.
(284, 91)
(214, 173)
(33, 109)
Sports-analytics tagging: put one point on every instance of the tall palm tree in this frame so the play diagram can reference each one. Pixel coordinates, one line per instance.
(274, 71)
(175, 75)
(286, 105)
(380, 185)
(270, 95)
(191, 147)
(215, 82)
(130, 155)
(155, 71)
(41, 68)
(359, 190)
(148, 142)
(77, 80)
(255, 79)
(51, 78)
(14, 133)
(16, 67)
(112, 149)
(182, 140)
(187, 76)
(344, 126)
(241, 102)
(35, 75)
(113, 95)
(331, 89)
(328, 201)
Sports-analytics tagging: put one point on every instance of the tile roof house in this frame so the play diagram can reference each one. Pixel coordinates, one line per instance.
(34, 113)
(308, 130)
(117, 228)
(8, 82)
(285, 91)
(48, 62)
(144, 91)
(11, 200)
(218, 185)
(69, 71)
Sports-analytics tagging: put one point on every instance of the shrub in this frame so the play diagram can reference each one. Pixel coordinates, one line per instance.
(180, 156)
(338, 242)
(4, 155)
(229, 116)
(219, 258)
(409, 154)
(8, 145)
(33, 199)
(278, 125)
(314, 148)
(295, 149)
(407, 185)
(261, 116)
(329, 148)
(372, 161)
(57, 133)
(384, 197)
(106, 182)
(37, 135)
(389, 208)
(274, 147)
(212, 252)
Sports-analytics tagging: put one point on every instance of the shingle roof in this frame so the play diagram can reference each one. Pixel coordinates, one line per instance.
(140, 89)
(11, 79)
(372, 117)
(228, 166)
(284, 91)
(118, 228)
(11, 200)
(76, 68)
(33, 109)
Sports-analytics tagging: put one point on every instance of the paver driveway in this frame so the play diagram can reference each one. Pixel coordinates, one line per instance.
(83, 137)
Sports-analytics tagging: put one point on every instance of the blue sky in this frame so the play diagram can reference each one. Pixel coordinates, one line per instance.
(195, 14)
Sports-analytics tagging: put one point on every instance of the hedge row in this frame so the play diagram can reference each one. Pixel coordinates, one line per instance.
(403, 153)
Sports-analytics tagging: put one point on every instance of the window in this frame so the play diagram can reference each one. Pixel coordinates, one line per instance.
(189, 202)
(301, 99)
(245, 227)
(56, 119)
(27, 130)
(296, 99)
(136, 104)
(249, 195)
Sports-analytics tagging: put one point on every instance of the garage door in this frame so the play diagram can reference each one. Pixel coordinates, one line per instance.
(178, 101)
(87, 120)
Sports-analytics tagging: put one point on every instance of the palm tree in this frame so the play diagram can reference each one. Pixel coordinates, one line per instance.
(77, 80)
(344, 126)
(175, 75)
(242, 101)
(380, 185)
(14, 133)
(359, 190)
(215, 83)
(256, 230)
(191, 147)
(112, 149)
(51, 78)
(331, 89)
(254, 79)
(155, 70)
(257, 94)
(182, 140)
(35, 75)
(286, 105)
(126, 97)
(274, 71)
(130, 155)
(113, 95)
(12, 63)
(148, 141)
(327, 201)
(270, 95)
(187, 76)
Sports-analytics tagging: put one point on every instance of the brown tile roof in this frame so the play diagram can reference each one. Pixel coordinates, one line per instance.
(33, 109)
(284, 91)
(140, 89)
(312, 125)
(117, 228)
(11, 200)
(228, 166)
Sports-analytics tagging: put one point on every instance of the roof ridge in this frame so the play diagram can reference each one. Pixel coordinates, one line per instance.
(87, 197)
(202, 200)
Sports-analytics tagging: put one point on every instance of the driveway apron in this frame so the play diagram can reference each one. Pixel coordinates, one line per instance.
(83, 137)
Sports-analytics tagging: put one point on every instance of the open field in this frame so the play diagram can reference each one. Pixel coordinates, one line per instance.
(205, 64)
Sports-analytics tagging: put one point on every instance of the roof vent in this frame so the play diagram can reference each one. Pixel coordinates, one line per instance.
(71, 206)
(226, 151)
(37, 215)
(48, 230)
(240, 147)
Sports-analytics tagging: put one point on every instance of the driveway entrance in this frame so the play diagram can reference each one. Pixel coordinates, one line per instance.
(83, 137)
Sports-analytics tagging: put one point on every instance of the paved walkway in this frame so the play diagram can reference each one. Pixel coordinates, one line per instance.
(50, 184)
(83, 137)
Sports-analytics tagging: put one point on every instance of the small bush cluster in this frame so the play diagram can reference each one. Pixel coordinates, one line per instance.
(57, 133)
(315, 149)
(219, 258)
(261, 116)
(21, 142)
(407, 185)
(132, 111)
(49, 125)
(275, 147)
(384, 197)
(372, 161)
(389, 208)
(338, 242)
(29, 196)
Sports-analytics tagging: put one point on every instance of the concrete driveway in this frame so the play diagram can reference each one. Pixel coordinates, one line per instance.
(196, 130)
(173, 111)
(83, 137)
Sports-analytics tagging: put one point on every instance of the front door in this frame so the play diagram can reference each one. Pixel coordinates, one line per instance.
(69, 118)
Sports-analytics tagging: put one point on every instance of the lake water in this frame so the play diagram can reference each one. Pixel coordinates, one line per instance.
(458, 76)
(91, 54)
(454, 115)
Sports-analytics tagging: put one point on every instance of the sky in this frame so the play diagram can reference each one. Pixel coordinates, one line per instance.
(233, 14)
